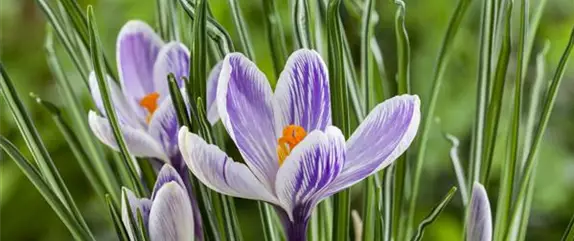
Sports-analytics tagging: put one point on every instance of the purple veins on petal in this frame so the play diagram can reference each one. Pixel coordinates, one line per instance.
(479, 221)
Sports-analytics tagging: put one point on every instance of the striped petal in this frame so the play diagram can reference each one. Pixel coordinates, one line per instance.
(119, 102)
(171, 216)
(137, 48)
(166, 174)
(172, 58)
(138, 142)
(310, 168)
(479, 221)
(135, 204)
(219, 172)
(163, 127)
(382, 137)
(244, 101)
(302, 93)
(212, 81)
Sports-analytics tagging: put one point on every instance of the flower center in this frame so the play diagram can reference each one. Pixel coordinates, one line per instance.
(149, 102)
(292, 135)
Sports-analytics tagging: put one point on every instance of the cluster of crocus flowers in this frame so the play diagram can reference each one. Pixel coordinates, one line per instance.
(294, 157)
(167, 215)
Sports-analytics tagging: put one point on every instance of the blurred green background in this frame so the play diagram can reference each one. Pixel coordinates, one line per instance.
(26, 216)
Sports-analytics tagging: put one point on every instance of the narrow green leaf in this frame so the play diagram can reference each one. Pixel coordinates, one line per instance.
(495, 105)
(87, 140)
(45, 190)
(542, 124)
(505, 201)
(569, 233)
(241, 28)
(178, 102)
(458, 167)
(95, 53)
(39, 152)
(427, 120)
(74, 144)
(196, 87)
(302, 23)
(367, 29)
(433, 215)
(117, 220)
(275, 35)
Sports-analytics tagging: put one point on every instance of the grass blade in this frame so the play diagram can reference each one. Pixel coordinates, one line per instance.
(433, 215)
(118, 224)
(275, 35)
(427, 120)
(569, 234)
(241, 28)
(302, 23)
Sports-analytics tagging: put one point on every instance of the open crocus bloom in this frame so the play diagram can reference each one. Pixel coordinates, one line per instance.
(146, 114)
(293, 156)
(167, 215)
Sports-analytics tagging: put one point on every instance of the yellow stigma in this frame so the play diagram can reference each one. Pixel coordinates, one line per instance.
(292, 135)
(149, 102)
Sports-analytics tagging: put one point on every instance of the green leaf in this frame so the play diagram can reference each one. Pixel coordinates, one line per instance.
(39, 152)
(117, 220)
(530, 163)
(430, 104)
(302, 23)
(275, 35)
(45, 190)
(100, 74)
(241, 28)
(569, 233)
(433, 215)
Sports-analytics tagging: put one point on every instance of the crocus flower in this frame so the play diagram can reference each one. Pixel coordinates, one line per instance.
(294, 157)
(167, 215)
(479, 223)
(146, 114)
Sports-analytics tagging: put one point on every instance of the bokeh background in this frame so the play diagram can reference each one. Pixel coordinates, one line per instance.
(26, 216)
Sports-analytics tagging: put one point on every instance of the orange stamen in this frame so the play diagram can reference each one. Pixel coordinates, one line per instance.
(149, 102)
(292, 135)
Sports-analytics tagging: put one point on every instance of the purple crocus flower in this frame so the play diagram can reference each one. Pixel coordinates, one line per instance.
(146, 114)
(167, 216)
(294, 157)
(479, 222)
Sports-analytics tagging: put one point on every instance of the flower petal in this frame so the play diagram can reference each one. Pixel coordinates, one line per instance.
(137, 48)
(119, 102)
(165, 175)
(244, 101)
(163, 127)
(309, 170)
(302, 93)
(172, 58)
(135, 204)
(138, 142)
(171, 216)
(212, 81)
(382, 137)
(219, 172)
(479, 221)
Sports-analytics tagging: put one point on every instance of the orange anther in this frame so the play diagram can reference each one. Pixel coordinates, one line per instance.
(292, 135)
(149, 102)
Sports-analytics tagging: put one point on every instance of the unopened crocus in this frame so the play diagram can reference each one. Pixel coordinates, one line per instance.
(167, 216)
(146, 114)
(479, 221)
(294, 157)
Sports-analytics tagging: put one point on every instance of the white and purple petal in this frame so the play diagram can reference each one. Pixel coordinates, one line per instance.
(302, 94)
(479, 221)
(123, 110)
(130, 200)
(163, 127)
(212, 81)
(172, 58)
(218, 171)
(382, 137)
(244, 101)
(309, 170)
(166, 174)
(171, 215)
(137, 48)
(138, 142)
